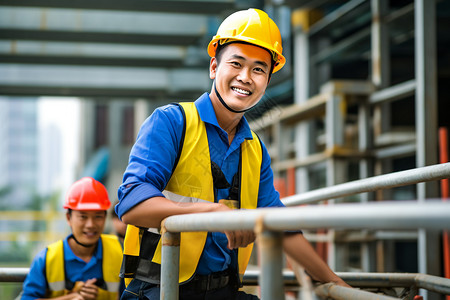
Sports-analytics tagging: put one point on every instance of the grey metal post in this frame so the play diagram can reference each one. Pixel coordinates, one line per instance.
(270, 248)
(303, 130)
(426, 123)
(170, 262)
(335, 168)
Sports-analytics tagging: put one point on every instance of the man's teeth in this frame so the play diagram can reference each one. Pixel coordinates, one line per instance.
(241, 91)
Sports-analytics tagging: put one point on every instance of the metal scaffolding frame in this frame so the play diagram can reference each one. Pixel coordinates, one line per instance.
(338, 128)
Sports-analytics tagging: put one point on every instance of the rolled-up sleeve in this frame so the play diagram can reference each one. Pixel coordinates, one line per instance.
(152, 158)
(35, 283)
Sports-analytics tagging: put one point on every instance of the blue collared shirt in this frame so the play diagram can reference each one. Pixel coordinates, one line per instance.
(154, 153)
(35, 284)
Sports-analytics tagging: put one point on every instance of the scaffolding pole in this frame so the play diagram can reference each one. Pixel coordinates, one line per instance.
(412, 176)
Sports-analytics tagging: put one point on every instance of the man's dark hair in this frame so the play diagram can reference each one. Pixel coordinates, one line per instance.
(69, 211)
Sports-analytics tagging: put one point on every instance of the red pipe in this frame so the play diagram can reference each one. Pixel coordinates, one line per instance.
(290, 181)
(443, 154)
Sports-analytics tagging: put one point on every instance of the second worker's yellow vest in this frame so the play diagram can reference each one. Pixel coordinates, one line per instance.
(191, 181)
(111, 257)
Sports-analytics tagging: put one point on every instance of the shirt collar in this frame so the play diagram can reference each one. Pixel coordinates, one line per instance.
(69, 255)
(207, 114)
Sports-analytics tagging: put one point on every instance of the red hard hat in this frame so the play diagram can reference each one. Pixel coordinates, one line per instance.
(87, 194)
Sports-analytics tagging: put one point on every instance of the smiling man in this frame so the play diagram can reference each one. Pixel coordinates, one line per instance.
(202, 156)
(86, 264)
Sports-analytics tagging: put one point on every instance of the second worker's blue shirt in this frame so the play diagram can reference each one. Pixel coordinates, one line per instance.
(153, 156)
(76, 269)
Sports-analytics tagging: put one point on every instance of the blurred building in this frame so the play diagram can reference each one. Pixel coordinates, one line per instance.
(18, 151)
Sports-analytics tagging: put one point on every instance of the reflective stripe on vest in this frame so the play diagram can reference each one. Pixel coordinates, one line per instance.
(191, 181)
(111, 257)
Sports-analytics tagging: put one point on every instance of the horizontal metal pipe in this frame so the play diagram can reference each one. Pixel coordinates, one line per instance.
(425, 281)
(344, 293)
(373, 215)
(355, 279)
(251, 278)
(13, 274)
(401, 90)
(433, 283)
(369, 280)
(423, 174)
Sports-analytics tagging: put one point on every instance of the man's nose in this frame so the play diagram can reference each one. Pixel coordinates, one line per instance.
(90, 222)
(244, 75)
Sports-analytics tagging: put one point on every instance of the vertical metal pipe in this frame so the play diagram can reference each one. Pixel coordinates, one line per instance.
(380, 44)
(426, 91)
(426, 123)
(303, 130)
(271, 278)
(335, 168)
(170, 264)
(365, 171)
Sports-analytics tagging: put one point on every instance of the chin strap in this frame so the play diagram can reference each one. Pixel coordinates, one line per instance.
(226, 106)
(81, 244)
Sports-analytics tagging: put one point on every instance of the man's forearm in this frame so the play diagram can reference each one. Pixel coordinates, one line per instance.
(299, 249)
(151, 212)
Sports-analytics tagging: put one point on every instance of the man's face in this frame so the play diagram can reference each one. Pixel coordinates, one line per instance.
(87, 225)
(242, 74)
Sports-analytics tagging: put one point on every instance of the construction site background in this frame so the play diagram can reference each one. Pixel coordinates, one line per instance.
(365, 92)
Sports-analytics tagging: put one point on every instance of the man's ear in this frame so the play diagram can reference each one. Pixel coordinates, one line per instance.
(212, 68)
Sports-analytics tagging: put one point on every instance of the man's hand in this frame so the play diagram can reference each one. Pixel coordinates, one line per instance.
(341, 283)
(71, 296)
(239, 238)
(89, 290)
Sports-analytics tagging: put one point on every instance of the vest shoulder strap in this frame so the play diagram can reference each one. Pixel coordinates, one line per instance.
(183, 134)
(54, 266)
(112, 261)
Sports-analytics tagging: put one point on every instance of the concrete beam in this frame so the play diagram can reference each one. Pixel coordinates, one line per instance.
(185, 6)
(107, 81)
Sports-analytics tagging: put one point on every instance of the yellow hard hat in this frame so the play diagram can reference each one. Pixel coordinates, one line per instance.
(251, 26)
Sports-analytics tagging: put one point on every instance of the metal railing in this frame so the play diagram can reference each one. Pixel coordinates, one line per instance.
(269, 224)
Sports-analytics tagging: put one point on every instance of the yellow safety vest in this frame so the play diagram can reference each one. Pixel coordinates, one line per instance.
(190, 181)
(112, 260)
